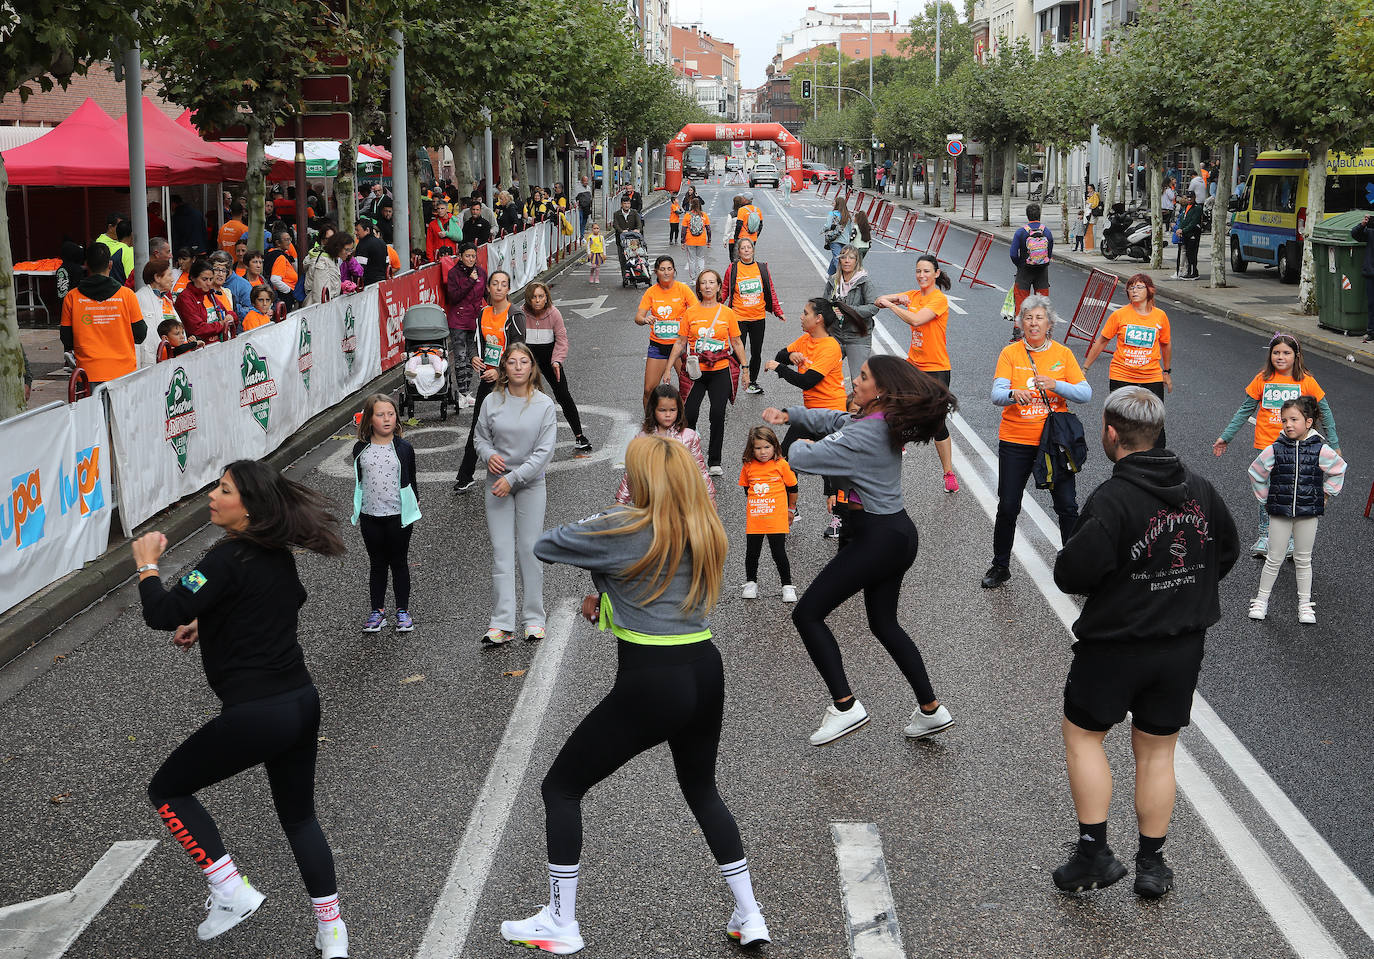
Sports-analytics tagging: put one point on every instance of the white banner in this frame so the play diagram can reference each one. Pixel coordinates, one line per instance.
(57, 498)
(523, 255)
(176, 425)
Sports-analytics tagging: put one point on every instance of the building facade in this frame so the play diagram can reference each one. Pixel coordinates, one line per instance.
(847, 30)
(708, 69)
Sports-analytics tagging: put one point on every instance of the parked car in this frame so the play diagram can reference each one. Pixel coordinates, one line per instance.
(818, 171)
(733, 165)
(765, 173)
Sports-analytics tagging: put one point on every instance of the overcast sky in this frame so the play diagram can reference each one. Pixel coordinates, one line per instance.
(756, 26)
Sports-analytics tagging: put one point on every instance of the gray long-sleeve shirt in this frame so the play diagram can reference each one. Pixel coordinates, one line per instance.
(521, 431)
(855, 450)
(606, 556)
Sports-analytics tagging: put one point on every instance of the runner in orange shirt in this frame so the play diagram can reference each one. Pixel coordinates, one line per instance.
(696, 236)
(926, 310)
(674, 220)
(770, 493)
(1143, 355)
(102, 321)
(746, 215)
(707, 341)
(750, 293)
(661, 309)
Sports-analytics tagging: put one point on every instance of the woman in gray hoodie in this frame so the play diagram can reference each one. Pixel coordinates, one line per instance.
(848, 289)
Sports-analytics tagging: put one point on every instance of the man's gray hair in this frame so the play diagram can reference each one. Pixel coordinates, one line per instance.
(1136, 414)
(1035, 300)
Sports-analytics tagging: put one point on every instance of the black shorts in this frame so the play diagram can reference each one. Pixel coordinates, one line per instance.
(1155, 683)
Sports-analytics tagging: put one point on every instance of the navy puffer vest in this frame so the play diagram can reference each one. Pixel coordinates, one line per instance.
(1295, 483)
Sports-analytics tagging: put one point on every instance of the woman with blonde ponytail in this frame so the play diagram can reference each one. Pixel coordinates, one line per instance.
(657, 565)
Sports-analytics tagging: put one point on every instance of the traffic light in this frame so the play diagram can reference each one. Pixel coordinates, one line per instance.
(806, 89)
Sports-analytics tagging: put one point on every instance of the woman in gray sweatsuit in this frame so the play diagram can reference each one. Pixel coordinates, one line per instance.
(848, 287)
(514, 437)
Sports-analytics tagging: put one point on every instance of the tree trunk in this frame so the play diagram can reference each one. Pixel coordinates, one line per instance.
(1316, 206)
(417, 212)
(1156, 214)
(925, 180)
(11, 352)
(1109, 194)
(939, 179)
(986, 173)
(255, 187)
(462, 162)
(522, 167)
(346, 183)
(1221, 224)
(1008, 175)
(1062, 184)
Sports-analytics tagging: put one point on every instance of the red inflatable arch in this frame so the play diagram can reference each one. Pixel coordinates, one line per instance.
(696, 132)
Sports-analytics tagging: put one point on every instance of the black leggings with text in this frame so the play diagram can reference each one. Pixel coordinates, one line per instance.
(672, 694)
(388, 550)
(874, 561)
(751, 331)
(278, 732)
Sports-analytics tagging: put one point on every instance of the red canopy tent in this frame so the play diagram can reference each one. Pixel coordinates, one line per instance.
(88, 149)
(281, 171)
(162, 132)
(378, 153)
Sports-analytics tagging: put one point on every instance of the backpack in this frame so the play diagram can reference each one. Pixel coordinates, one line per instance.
(1037, 248)
(696, 224)
(753, 222)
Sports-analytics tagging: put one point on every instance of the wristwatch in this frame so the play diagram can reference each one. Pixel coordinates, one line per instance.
(145, 567)
(1169, 371)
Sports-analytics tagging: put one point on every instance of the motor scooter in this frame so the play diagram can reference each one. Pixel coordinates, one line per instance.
(1128, 233)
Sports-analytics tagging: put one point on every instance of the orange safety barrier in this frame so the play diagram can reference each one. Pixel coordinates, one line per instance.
(908, 227)
(1092, 307)
(981, 244)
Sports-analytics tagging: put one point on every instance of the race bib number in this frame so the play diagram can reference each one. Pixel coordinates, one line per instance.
(491, 351)
(1141, 337)
(1276, 394)
(751, 289)
(665, 329)
(708, 344)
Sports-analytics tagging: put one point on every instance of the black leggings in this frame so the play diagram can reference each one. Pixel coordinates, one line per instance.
(388, 549)
(717, 384)
(673, 232)
(278, 732)
(469, 464)
(1156, 388)
(751, 331)
(943, 377)
(672, 694)
(777, 545)
(881, 550)
(543, 355)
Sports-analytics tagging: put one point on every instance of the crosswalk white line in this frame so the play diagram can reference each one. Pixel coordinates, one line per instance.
(870, 914)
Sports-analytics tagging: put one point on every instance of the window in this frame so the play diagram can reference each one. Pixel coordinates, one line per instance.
(1348, 192)
(1275, 194)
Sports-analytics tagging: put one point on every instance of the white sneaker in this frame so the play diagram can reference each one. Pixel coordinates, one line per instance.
(789, 594)
(1259, 608)
(750, 591)
(715, 470)
(1307, 613)
(922, 725)
(748, 930)
(332, 940)
(539, 931)
(835, 723)
(228, 910)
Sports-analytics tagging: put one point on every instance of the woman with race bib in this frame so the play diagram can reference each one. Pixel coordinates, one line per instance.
(1143, 355)
(662, 309)
(502, 323)
(749, 292)
(708, 338)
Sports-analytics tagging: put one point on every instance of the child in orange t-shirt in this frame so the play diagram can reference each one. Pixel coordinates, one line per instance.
(770, 491)
(261, 313)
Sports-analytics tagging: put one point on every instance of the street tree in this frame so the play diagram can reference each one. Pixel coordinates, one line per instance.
(1060, 115)
(994, 100)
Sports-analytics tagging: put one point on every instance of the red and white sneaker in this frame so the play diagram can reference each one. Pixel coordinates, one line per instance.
(951, 482)
(748, 930)
(540, 931)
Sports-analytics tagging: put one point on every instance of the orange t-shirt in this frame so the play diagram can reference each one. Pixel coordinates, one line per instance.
(253, 319)
(708, 329)
(229, 234)
(180, 283)
(667, 308)
(1025, 424)
(102, 332)
(1139, 343)
(1271, 394)
(748, 281)
(765, 492)
(674, 212)
(394, 258)
(928, 351)
(743, 217)
(493, 329)
(285, 270)
(821, 354)
(699, 240)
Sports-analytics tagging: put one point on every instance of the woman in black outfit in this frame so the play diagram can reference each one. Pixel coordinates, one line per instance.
(241, 603)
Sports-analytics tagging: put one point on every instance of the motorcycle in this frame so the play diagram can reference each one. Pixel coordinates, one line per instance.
(1128, 233)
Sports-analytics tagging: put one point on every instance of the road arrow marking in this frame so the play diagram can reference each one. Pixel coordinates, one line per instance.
(589, 308)
(46, 928)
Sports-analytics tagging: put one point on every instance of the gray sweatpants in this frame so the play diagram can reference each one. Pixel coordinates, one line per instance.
(514, 522)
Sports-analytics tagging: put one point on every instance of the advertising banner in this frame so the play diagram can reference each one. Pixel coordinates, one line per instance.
(55, 495)
(394, 297)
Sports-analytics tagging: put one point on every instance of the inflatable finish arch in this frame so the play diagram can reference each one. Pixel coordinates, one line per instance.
(697, 132)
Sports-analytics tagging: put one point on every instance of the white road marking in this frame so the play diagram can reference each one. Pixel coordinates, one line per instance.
(1292, 916)
(870, 915)
(46, 928)
(588, 308)
(451, 920)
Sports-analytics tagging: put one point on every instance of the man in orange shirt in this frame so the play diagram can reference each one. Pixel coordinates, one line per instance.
(233, 228)
(102, 322)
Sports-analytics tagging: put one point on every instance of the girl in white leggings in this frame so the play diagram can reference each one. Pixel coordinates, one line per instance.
(1293, 477)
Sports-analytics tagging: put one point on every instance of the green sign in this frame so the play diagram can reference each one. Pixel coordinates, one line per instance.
(180, 415)
(258, 386)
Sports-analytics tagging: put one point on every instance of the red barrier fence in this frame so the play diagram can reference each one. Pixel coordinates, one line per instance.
(856, 200)
(884, 222)
(1092, 306)
(395, 297)
(824, 186)
(873, 205)
(981, 244)
(908, 227)
(937, 239)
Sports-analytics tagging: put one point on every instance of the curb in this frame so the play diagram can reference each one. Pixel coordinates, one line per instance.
(1333, 350)
(34, 619)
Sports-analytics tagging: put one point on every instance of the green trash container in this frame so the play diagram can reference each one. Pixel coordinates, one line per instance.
(1341, 304)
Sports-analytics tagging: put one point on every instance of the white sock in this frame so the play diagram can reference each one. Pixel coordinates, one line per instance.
(563, 893)
(326, 909)
(220, 873)
(737, 877)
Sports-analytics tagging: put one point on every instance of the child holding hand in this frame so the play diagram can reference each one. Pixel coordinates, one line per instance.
(770, 489)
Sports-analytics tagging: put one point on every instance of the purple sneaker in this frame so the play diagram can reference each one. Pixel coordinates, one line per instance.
(376, 620)
(404, 623)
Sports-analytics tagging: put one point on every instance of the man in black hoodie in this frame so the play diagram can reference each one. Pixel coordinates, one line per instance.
(1150, 546)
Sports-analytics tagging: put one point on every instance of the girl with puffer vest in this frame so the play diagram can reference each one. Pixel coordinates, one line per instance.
(385, 507)
(1293, 477)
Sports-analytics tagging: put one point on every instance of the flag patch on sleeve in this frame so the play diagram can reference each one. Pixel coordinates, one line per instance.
(193, 580)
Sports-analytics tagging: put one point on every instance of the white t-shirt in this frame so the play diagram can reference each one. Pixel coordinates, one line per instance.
(1166, 202)
(381, 480)
(1198, 188)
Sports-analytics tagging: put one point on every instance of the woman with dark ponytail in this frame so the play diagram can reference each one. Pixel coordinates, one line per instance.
(898, 404)
(241, 603)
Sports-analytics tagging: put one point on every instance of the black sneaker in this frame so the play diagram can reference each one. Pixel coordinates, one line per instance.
(1153, 877)
(1089, 872)
(995, 576)
(583, 445)
(463, 485)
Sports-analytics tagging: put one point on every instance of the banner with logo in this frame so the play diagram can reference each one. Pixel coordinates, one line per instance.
(394, 297)
(523, 255)
(55, 496)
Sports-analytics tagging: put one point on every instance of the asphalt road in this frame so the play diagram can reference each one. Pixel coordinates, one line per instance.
(433, 747)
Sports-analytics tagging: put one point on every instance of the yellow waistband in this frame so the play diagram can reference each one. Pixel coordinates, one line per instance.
(607, 621)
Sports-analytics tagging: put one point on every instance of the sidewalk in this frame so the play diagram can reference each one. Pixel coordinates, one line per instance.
(1255, 299)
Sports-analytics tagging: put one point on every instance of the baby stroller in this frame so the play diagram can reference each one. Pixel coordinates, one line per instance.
(634, 260)
(427, 374)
